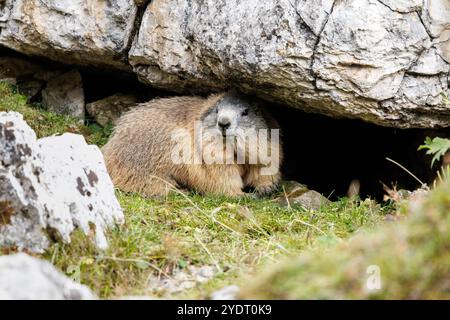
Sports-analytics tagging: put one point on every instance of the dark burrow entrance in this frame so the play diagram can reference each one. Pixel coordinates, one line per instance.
(328, 154)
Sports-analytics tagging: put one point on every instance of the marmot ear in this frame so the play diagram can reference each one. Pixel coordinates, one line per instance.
(210, 104)
(213, 99)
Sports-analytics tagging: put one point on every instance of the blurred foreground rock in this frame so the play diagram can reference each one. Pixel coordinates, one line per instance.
(50, 186)
(226, 293)
(23, 277)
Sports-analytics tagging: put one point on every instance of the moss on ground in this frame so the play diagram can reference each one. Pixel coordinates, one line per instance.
(238, 237)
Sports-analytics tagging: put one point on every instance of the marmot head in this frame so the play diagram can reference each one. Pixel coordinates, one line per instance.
(234, 114)
(238, 126)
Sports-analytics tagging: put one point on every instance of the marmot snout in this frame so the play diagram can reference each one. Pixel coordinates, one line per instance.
(218, 145)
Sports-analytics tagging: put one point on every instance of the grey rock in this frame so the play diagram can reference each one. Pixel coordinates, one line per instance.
(314, 13)
(185, 45)
(298, 194)
(403, 195)
(404, 6)
(23, 277)
(64, 95)
(345, 59)
(430, 63)
(29, 76)
(50, 186)
(47, 75)
(227, 293)
(13, 67)
(351, 58)
(443, 45)
(366, 58)
(310, 200)
(81, 31)
(30, 88)
(436, 17)
(109, 109)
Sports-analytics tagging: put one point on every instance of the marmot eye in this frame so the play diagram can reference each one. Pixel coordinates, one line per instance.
(245, 112)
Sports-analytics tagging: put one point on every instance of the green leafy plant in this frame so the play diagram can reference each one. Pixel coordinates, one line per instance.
(436, 147)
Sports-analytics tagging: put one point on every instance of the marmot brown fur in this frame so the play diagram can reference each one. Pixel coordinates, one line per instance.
(140, 154)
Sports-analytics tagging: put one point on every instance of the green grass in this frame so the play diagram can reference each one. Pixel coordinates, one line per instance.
(236, 236)
(412, 257)
(46, 123)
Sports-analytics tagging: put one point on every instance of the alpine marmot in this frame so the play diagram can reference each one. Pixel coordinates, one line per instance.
(220, 145)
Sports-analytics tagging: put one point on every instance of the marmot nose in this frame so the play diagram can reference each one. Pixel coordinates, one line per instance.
(224, 123)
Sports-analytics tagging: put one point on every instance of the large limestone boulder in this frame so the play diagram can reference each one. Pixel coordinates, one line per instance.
(23, 277)
(50, 186)
(382, 61)
(70, 31)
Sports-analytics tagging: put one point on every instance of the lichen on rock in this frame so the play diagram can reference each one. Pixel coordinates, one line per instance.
(50, 186)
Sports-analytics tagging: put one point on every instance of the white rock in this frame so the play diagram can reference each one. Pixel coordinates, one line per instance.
(345, 58)
(403, 6)
(226, 293)
(436, 16)
(430, 63)
(71, 31)
(51, 186)
(314, 13)
(360, 48)
(23, 277)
